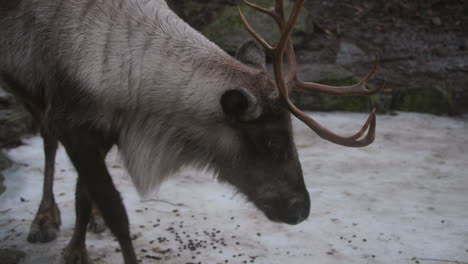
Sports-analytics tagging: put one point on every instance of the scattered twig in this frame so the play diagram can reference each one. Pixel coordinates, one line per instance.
(164, 201)
(5, 211)
(443, 260)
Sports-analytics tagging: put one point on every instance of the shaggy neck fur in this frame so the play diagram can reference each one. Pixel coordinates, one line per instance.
(132, 69)
(164, 80)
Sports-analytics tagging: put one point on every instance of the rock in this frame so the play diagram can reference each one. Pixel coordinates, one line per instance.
(11, 256)
(350, 54)
(228, 32)
(422, 44)
(15, 121)
(424, 100)
(2, 186)
(5, 163)
(464, 44)
(322, 72)
(436, 21)
(6, 99)
(196, 12)
(13, 124)
(334, 75)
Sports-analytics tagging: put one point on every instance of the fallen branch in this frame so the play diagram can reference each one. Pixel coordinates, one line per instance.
(167, 202)
(442, 260)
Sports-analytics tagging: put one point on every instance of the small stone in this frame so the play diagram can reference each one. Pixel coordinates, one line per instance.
(436, 21)
(464, 44)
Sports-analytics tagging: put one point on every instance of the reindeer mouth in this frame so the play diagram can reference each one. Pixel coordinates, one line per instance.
(292, 211)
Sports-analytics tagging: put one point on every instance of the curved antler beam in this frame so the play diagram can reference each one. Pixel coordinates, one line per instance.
(350, 141)
(278, 51)
(357, 89)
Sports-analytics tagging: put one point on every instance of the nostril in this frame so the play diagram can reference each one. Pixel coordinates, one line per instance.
(298, 210)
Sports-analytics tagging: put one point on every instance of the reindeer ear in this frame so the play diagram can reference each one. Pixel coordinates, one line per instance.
(251, 53)
(240, 105)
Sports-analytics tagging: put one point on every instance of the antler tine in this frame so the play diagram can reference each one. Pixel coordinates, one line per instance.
(350, 141)
(292, 64)
(357, 89)
(371, 72)
(279, 10)
(261, 40)
(288, 27)
(262, 9)
(278, 15)
(278, 52)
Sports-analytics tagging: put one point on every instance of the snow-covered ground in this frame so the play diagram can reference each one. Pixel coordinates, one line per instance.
(404, 199)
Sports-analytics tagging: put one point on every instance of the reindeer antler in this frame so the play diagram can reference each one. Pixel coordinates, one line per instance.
(291, 81)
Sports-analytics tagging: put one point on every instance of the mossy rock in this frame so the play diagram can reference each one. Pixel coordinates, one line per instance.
(424, 100)
(322, 102)
(228, 32)
(2, 186)
(198, 13)
(14, 123)
(4, 164)
(11, 256)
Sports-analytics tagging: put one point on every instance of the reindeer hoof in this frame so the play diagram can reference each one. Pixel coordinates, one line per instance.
(45, 226)
(75, 256)
(43, 232)
(96, 224)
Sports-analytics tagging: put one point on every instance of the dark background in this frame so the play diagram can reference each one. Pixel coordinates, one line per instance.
(422, 45)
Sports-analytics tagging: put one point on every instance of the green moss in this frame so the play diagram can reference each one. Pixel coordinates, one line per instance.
(322, 102)
(423, 100)
(228, 32)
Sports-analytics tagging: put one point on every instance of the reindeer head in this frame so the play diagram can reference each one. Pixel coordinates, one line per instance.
(266, 167)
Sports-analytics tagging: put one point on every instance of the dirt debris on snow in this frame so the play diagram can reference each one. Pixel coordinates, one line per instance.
(401, 200)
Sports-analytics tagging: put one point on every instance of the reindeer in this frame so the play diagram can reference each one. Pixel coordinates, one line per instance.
(131, 73)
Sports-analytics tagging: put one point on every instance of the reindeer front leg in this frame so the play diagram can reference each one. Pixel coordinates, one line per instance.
(46, 224)
(75, 252)
(86, 151)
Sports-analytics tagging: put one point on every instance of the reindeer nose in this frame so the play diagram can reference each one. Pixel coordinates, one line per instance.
(297, 211)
